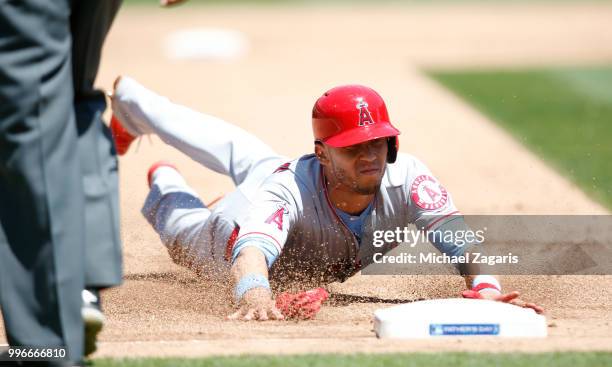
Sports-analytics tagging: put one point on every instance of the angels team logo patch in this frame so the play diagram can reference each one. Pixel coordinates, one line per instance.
(364, 114)
(427, 193)
(277, 216)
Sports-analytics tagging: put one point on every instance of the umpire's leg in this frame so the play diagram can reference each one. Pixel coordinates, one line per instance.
(41, 210)
(90, 22)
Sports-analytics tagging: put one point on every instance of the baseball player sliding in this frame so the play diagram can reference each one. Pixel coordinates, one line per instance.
(305, 222)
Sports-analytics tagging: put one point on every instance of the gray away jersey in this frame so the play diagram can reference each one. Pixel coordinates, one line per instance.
(294, 223)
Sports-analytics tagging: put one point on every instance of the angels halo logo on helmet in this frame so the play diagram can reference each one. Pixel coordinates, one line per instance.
(364, 114)
(352, 114)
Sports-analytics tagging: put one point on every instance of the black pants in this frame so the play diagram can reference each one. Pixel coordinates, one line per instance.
(90, 22)
(48, 182)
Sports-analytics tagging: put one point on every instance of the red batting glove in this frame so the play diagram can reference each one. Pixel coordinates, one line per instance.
(302, 305)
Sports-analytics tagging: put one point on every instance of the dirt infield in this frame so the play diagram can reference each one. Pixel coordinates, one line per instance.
(296, 53)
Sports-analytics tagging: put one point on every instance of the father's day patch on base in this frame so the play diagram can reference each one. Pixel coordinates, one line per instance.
(463, 329)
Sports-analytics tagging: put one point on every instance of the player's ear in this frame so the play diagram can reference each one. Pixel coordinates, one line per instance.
(321, 153)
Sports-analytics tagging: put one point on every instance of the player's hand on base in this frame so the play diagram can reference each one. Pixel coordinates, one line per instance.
(512, 298)
(257, 304)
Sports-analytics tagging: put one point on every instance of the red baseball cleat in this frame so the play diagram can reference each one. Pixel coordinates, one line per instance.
(121, 136)
(154, 168)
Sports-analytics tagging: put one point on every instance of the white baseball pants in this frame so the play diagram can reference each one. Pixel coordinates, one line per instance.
(193, 234)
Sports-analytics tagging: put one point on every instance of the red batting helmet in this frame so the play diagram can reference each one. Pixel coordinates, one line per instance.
(353, 114)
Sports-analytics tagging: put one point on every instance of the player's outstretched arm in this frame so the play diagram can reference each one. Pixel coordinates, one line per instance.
(478, 286)
(488, 287)
(252, 290)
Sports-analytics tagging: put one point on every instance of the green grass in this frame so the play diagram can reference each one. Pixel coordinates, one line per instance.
(569, 359)
(563, 115)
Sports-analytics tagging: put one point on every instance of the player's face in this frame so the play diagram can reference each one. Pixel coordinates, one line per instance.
(359, 167)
